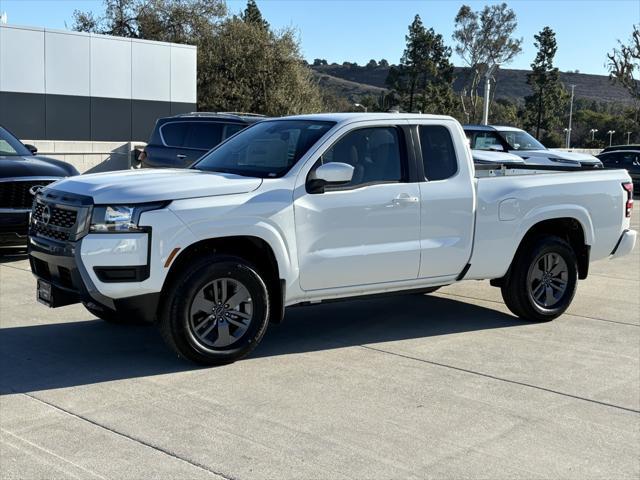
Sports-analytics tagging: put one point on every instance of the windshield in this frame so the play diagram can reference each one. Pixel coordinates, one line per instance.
(521, 140)
(267, 149)
(10, 146)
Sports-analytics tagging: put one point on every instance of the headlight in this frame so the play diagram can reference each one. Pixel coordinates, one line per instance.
(119, 218)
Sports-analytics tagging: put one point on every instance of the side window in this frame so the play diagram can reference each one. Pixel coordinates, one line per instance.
(631, 161)
(611, 159)
(485, 140)
(203, 135)
(375, 154)
(438, 154)
(231, 129)
(174, 133)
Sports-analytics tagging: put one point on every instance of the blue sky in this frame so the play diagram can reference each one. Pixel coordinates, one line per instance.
(358, 30)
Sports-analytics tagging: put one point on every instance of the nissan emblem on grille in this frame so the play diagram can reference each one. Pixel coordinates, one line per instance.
(46, 214)
(35, 189)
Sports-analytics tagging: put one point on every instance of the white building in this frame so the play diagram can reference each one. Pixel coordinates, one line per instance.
(64, 85)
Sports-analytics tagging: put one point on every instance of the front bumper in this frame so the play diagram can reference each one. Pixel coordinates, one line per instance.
(625, 244)
(59, 267)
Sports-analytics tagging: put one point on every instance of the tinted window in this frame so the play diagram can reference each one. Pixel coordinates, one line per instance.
(438, 154)
(374, 153)
(611, 160)
(174, 133)
(203, 135)
(631, 161)
(10, 146)
(232, 129)
(266, 149)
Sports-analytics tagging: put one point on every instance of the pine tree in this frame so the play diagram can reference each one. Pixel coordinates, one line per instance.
(545, 106)
(423, 79)
(253, 15)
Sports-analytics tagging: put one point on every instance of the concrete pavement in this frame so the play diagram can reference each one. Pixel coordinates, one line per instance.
(448, 385)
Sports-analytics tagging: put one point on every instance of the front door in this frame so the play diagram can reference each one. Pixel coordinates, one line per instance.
(367, 231)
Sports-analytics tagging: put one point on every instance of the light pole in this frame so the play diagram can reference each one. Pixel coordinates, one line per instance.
(610, 133)
(570, 117)
(593, 132)
(567, 132)
(629, 138)
(487, 94)
(359, 105)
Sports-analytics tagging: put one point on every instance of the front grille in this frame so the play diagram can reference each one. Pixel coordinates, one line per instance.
(16, 194)
(44, 231)
(58, 217)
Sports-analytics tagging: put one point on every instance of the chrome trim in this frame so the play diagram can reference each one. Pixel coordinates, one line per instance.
(29, 179)
(15, 210)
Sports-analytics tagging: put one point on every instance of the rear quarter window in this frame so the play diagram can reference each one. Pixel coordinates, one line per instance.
(438, 153)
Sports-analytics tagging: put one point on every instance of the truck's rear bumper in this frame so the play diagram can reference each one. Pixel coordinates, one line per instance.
(625, 244)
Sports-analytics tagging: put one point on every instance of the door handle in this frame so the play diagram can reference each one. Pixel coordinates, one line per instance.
(181, 156)
(404, 199)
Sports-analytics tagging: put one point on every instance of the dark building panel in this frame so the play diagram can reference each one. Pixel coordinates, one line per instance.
(110, 119)
(23, 114)
(144, 114)
(68, 118)
(177, 108)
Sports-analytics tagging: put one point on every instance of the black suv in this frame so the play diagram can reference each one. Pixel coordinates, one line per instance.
(623, 156)
(177, 142)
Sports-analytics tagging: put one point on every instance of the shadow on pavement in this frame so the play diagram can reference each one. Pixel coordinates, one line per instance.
(43, 357)
(10, 254)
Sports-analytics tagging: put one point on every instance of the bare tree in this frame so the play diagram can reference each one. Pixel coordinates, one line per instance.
(484, 41)
(624, 65)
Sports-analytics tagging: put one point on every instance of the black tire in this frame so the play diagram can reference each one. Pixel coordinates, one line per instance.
(177, 322)
(119, 317)
(521, 289)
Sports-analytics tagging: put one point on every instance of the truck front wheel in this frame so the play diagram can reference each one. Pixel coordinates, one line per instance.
(216, 311)
(542, 280)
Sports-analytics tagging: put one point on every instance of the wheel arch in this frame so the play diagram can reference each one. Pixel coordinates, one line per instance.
(258, 251)
(570, 229)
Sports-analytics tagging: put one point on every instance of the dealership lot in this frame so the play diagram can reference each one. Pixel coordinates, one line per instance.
(448, 385)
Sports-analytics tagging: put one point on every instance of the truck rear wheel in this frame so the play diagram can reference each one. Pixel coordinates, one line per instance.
(216, 312)
(542, 280)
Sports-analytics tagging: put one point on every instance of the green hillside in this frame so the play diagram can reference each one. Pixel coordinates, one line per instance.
(355, 82)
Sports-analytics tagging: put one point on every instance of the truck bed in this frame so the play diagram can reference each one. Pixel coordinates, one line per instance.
(511, 200)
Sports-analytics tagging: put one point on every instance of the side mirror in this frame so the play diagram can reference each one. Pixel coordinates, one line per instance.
(496, 148)
(333, 173)
(31, 148)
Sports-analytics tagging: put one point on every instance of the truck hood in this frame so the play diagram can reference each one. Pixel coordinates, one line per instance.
(154, 185)
(583, 158)
(488, 156)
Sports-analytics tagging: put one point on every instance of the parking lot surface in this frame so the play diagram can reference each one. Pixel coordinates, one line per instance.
(448, 385)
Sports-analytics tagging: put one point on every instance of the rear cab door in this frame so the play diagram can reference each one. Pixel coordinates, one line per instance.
(447, 197)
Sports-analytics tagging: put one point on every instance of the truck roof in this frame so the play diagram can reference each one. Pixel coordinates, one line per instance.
(360, 116)
(491, 128)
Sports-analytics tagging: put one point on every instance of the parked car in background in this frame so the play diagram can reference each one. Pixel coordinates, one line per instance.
(178, 141)
(20, 171)
(623, 156)
(517, 141)
(484, 157)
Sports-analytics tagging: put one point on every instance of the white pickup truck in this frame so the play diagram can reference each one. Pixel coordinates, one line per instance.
(301, 210)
